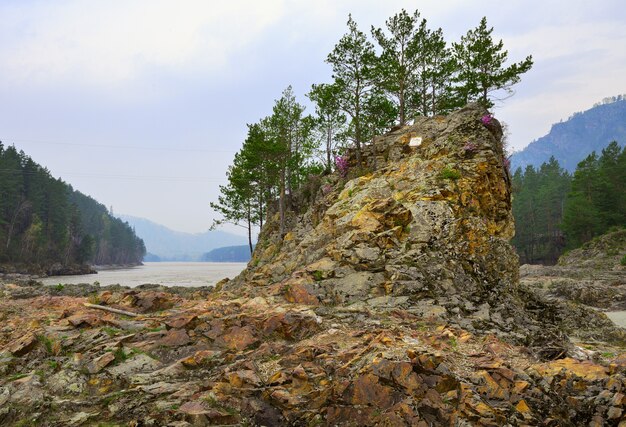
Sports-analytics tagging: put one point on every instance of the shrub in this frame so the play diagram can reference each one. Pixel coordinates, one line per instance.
(450, 173)
(623, 260)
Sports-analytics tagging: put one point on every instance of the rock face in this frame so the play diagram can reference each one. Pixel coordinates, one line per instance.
(260, 362)
(418, 222)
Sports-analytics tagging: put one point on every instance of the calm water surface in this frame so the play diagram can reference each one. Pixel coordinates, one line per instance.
(163, 273)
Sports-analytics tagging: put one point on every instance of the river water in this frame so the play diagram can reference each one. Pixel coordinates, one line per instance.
(188, 274)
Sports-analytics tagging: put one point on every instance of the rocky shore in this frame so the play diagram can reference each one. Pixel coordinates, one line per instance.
(20, 272)
(200, 358)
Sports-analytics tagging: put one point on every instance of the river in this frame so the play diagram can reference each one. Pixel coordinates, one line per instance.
(188, 274)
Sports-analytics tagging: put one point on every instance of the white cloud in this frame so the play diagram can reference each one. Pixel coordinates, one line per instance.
(110, 43)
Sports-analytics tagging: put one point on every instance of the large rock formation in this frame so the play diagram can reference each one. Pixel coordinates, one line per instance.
(418, 222)
(424, 226)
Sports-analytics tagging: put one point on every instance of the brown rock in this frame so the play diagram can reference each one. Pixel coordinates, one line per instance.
(366, 390)
(238, 338)
(23, 345)
(244, 377)
(195, 408)
(99, 363)
(182, 321)
(297, 293)
(174, 338)
(614, 413)
(83, 319)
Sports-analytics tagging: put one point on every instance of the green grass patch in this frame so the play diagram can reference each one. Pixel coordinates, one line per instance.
(623, 260)
(111, 331)
(449, 174)
(16, 377)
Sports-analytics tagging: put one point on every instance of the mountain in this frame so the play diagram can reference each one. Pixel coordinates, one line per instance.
(228, 254)
(165, 244)
(574, 139)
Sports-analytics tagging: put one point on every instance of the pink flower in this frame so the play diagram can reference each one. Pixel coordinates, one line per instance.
(506, 162)
(486, 119)
(470, 147)
(342, 165)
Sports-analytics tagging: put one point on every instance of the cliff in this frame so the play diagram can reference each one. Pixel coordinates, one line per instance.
(393, 299)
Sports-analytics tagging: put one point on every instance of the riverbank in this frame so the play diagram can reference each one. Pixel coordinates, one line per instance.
(17, 271)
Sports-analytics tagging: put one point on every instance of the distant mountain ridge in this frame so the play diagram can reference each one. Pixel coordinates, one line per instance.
(165, 244)
(574, 139)
(228, 254)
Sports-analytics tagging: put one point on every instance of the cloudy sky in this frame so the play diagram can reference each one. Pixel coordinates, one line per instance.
(143, 103)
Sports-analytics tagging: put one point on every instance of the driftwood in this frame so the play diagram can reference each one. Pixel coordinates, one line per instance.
(112, 310)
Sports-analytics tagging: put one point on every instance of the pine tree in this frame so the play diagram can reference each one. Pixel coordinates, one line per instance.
(396, 66)
(353, 60)
(330, 121)
(481, 69)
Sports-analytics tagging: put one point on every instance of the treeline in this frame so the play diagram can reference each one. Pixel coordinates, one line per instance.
(44, 221)
(555, 211)
(412, 70)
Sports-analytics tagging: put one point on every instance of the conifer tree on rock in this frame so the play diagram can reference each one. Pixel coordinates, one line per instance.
(481, 66)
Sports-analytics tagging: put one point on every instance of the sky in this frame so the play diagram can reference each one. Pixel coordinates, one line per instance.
(142, 104)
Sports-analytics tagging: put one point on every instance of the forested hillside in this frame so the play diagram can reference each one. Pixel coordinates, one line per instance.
(43, 220)
(555, 210)
(572, 140)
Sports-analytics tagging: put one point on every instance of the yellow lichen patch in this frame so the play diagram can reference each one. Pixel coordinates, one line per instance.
(366, 221)
(522, 407)
(289, 237)
(585, 369)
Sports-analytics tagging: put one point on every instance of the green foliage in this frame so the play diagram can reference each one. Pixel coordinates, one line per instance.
(597, 201)
(276, 159)
(623, 260)
(353, 61)
(43, 220)
(120, 355)
(538, 204)
(329, 125)
(480, 66)
(416, 72)
(450, 174)
(554, 211)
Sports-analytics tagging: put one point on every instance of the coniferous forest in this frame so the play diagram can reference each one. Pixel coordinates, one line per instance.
(44, 221)
(556, 211)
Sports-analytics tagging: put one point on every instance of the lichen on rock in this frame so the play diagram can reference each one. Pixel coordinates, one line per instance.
(421, 224)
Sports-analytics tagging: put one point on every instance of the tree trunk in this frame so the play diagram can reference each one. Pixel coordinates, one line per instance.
(250, 230)
(281, 203)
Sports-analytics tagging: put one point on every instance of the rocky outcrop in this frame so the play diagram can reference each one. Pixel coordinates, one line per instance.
(593, 275)
(423, 226)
